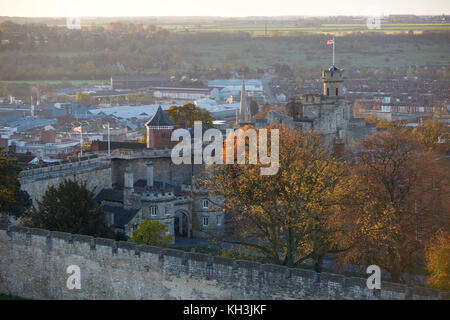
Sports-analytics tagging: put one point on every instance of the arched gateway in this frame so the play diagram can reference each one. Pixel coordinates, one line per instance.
(182, 224)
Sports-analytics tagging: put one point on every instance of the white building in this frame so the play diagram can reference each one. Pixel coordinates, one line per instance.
(187, 94)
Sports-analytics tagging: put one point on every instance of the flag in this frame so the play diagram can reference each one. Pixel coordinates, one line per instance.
(106, 126)
(330, 41)
(77, 129)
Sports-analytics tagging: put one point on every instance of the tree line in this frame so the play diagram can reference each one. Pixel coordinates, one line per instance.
(385, 202)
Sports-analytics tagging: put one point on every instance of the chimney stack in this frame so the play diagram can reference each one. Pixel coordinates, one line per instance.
(128, 188)
(150, 175)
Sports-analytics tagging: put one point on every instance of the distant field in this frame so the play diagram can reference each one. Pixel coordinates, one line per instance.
(74, 82)
(260, 52)
(286, 29)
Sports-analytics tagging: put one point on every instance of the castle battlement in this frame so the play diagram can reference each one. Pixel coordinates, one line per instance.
(157, 196)
(149, 153)
(34, 263)
(64, 169)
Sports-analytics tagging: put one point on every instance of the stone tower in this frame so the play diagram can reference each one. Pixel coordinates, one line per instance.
(333, 81)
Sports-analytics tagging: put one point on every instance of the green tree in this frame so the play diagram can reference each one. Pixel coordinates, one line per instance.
(13, 200)
(153, 233)
(184, 116)
(70, 207)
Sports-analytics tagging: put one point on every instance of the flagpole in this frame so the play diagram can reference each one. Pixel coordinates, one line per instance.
(81, 140)
(333, 51)
(109, 142)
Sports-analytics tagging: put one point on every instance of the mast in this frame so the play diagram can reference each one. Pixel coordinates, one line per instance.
(333, 51)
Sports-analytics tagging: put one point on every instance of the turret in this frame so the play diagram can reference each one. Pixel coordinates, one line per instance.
(333, 81)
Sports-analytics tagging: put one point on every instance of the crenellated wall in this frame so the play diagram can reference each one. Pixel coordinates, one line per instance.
(33, 264)
(96, 173)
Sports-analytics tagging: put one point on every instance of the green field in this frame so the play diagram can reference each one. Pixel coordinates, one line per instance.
(287, 29)
(259, 52)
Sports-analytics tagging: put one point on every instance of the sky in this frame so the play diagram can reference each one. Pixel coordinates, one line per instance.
(225, 8)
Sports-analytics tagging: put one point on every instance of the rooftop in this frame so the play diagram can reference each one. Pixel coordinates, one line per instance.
(160, 119)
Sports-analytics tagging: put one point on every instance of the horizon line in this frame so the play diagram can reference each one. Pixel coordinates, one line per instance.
(226, 16)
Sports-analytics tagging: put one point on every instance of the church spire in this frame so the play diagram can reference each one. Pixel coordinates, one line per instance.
(243, 110)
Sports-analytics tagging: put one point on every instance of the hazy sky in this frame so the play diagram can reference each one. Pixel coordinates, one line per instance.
(63, 8)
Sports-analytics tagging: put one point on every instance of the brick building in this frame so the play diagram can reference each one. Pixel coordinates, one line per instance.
(159, 130)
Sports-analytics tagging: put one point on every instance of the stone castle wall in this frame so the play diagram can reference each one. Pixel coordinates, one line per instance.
(33, 264)
(96, 173)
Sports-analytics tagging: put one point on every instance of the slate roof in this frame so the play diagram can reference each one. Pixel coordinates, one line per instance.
(159, 119)
(140, 78)
(334, 68)
(122, 216)
(111, 194)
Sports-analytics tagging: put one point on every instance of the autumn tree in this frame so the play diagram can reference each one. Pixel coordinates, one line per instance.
(232, 55)
(438, 261)
(399, 180)
(153, 233)
(70, 207)
(225, 68)
(430, 132)
(294, 215)
(83, 97)
(13, 200)
(184, 116)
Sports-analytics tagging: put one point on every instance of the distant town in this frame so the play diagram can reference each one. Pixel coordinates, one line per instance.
(358, 120)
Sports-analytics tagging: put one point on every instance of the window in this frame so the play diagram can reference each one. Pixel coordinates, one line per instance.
(205, 221)
(337, 91)
(153, 211)
(416, 206)
(418, 235)
(328, 91)
(167, 211)
(219, 220)
(205, 204)
(436, 184)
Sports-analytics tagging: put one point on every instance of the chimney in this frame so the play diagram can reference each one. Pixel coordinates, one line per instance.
(128, 188)
(150, 175)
